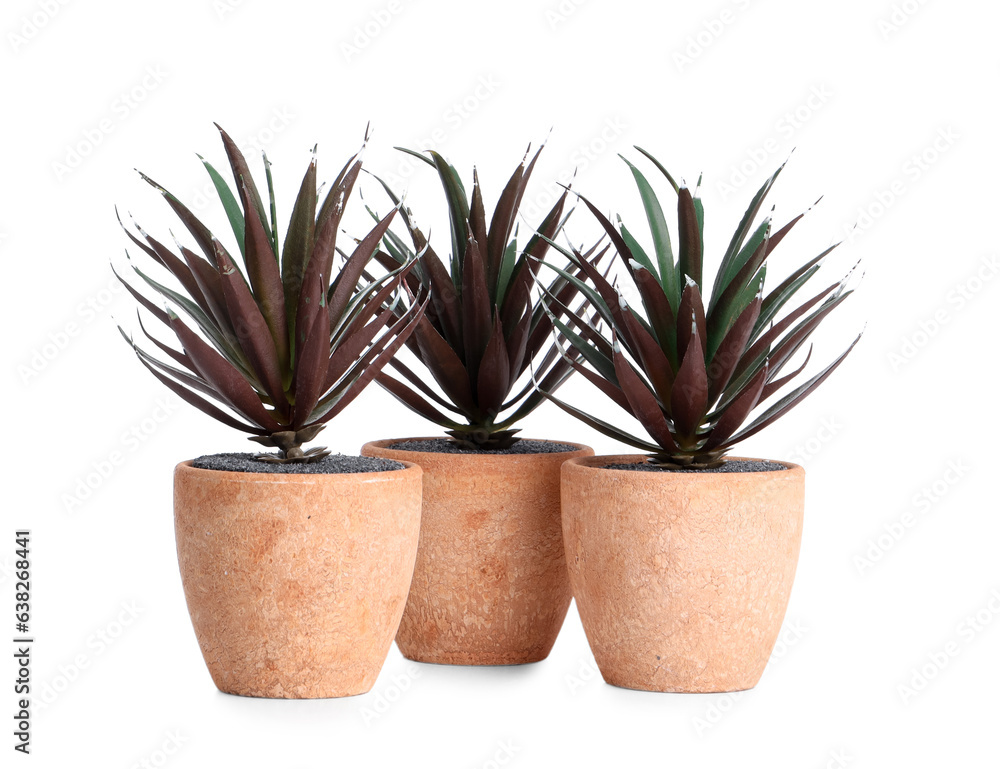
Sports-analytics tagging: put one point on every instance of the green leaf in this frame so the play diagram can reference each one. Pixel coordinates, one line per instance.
(229, 202)
(376, 359)
(418, 155)
(366, 301)
(699, 212)
(723, 280)
(736, 412)
(274, 208)
(604, 365)
(638, 253)
(241, 173)
(595, 299)
(458, 212)
(660, 167)
(772, 344)
(661, 235)
(777, 298)
(506, 270)
(745, 223)
(742, 301)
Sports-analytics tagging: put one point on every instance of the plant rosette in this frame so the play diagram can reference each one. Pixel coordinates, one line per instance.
(490, 585)
(681, 578)
(295, 563)
(682, 559)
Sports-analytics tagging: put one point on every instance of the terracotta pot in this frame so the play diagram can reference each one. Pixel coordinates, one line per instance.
(490, 584)
(681, 579)
(296, 583)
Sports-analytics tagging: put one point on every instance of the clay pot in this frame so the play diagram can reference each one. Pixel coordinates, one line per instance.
(681, 579)
(296, 583)
(490, 584)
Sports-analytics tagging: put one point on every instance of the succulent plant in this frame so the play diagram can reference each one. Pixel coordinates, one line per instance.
(483, 329)
(285, 343)
(691, 373)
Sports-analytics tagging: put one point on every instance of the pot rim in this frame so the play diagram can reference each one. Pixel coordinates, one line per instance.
(579, 450)
(598, 464)
(410, 469)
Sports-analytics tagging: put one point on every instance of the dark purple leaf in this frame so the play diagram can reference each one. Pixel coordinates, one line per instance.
(793, 398)
(312, 361)
(661, 317)
(201, 233)
(201, 404)
(351, 349)
(241, 174)
(689, 396)
(265, 279)
(445, 366)
(731, 350)
(477, 321)
(347, 281)
(494, 371)
(692, 311)
(760, 348)
(224, 377)
(643, 403)
(176, 355)
(412, 400)
(252, 332)
(477, 229)
(210, 285)
(772, 387)
(502, 223)
(418, 382)
(689, 237)
(649, 354)
(298, 247)
(158, 312)
(737, 411)
(371, 365)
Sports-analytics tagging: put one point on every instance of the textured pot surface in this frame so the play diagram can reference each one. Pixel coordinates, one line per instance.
(296, 583)
(681, 579)
(490, 584)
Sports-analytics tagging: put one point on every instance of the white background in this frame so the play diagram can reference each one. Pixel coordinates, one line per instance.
(893, 110)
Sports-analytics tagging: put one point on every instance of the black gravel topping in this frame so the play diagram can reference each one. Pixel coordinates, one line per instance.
(331, 465)
(730, 466)
(445, 446)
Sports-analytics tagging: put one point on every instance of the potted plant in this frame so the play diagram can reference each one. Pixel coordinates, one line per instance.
(490, 584)
(682, 561)
(295, 564)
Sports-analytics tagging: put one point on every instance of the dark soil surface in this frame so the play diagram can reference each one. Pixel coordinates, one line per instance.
(733, 466)
(445, 446)
(331, 465)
